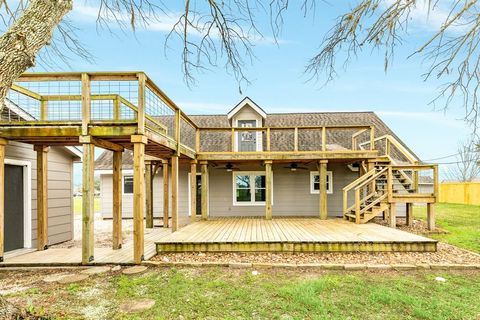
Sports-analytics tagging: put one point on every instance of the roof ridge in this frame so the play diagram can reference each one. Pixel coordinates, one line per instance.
(284, 113)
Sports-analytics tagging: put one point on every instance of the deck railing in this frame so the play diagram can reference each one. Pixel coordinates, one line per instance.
(99, 98)
(282, 139)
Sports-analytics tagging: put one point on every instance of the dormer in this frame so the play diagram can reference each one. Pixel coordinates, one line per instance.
(247, 114)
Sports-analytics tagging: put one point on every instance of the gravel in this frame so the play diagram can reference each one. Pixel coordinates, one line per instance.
(446, 254)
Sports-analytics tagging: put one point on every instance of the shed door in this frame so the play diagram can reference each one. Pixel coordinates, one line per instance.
(247, 139)
(14, 207)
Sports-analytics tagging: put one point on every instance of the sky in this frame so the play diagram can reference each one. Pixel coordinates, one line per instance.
(278, 84)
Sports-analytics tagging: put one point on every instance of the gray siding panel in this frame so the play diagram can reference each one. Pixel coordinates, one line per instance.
(60, 189)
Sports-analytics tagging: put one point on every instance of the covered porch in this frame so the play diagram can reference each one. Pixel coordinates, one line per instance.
(292, 235)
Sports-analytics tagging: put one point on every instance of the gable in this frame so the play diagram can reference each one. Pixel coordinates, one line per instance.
(246, 103)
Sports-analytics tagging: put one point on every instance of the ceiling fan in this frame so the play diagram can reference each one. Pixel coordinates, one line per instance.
(229, 167)
(294, 167)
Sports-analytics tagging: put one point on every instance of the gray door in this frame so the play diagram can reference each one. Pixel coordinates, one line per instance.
(247, 140)
(13, 207)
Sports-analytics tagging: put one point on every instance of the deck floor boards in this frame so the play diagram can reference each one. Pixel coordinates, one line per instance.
(290, 234)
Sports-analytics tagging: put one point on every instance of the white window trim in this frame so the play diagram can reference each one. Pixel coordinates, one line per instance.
(234, 188)
(259, 138)
(123, 184)
(27, 199)
(330, 185)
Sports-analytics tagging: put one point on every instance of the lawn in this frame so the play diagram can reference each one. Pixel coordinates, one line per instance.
(222, 293)
(461, 221)
(77, 205)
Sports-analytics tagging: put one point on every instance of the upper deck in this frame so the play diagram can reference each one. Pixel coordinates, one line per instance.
(111, 107)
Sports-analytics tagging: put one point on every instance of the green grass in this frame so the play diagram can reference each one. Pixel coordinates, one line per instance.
(461, 221)
(222, 293)
(77, 205)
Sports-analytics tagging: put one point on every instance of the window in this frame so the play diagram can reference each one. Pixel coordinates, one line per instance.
(249, 188)
(315, 182)
(127, 184)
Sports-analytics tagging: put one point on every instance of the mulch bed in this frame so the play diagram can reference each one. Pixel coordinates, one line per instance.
(446, 254)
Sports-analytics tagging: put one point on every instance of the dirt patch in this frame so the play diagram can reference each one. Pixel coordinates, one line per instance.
(418, 226)
(446, 254)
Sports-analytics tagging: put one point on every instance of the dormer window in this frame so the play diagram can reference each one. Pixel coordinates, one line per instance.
(247, 114)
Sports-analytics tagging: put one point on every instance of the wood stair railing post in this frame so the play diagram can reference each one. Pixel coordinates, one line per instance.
(357, 206)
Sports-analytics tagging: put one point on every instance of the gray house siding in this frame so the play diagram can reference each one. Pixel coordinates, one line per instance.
(291, 193)
(106, 194)
(60, 188)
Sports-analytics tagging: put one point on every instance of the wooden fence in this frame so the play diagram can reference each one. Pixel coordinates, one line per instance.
(460, 192)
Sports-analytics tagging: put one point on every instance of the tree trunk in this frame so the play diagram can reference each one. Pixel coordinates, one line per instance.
(21, 43)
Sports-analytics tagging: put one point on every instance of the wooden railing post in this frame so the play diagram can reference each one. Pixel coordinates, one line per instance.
(435, 182)
(197, 140)
(86, 103)
(268, 139)
(324, 139)
(116, 109)
(372, 138)
(141, 103)
(42, 197)
(390, 184)
(177, 131)
(43, 110)
(357, 206)
(233, 139)
(295, 139)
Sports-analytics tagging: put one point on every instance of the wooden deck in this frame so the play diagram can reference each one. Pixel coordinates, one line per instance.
(73, 256)
(291, 235)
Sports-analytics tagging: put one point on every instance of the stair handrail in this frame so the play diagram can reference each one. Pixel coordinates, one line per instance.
(353, 184)
(369, 180)
(391, 139)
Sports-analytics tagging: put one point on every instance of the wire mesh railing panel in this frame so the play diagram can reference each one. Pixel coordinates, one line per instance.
(64, 110)
(126, 113)
(53, 87)
(101, 110)
(215, 141)
(156, 108)
(310, 139)
(27, 106)
(187, 134)
(126, 89)
(282, 140)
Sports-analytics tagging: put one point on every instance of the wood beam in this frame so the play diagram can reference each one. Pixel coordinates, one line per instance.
(88, 202)
(205, 187)
(42, 197)
(322, 171)
(138, 197)
(166, 198)
(149, 194)
(117, 200)
(108, 145)
(409, 213)
(193, 190)
(268, 189)
(3, 142)
(174, 193)
(431, 216)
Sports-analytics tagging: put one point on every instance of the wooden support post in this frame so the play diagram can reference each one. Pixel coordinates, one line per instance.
(322, 171)
(174, 193)
(117, 200)
(268, 190)
(431, 216)
(42, 197)
(139, 142)
(371, 166)
(409, 214)
(149, 194)
(204, 165)
(166, 198)
(193, 190)
(3, 142)
(392, 216)
(87, 200)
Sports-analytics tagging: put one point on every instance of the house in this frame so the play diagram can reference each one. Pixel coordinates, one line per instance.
(21, 173)
(238, 187)
(227, 182)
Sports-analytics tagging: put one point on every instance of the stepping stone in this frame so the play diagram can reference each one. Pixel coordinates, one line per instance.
(73, 278)
(134, 306)
(116, 268)
(134, 270)
(56, 277)
(95, 270)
